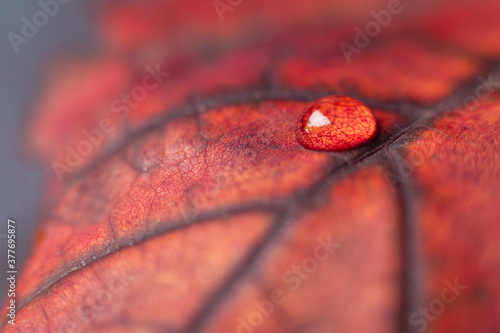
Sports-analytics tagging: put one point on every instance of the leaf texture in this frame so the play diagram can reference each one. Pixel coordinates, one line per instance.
(200, 212)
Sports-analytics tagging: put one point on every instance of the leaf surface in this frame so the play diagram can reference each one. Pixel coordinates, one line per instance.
(200, 212)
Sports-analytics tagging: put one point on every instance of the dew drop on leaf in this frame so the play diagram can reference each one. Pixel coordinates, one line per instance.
(335, 123)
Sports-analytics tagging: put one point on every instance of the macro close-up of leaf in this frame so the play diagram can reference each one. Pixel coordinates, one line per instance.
(181, 197)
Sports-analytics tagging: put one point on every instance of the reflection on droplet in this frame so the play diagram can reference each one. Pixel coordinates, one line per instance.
(335, 123)
(317, 119)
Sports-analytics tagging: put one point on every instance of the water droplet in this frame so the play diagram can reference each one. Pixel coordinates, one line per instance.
(335, 123)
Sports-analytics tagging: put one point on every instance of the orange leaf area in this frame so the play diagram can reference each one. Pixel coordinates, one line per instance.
(199, 211)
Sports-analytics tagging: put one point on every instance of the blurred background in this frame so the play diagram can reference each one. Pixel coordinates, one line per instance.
(22, 176)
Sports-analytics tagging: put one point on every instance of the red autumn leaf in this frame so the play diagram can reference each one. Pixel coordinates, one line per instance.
(187, 204)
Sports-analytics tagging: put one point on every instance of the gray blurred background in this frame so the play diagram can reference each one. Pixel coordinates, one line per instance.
(22, 177)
